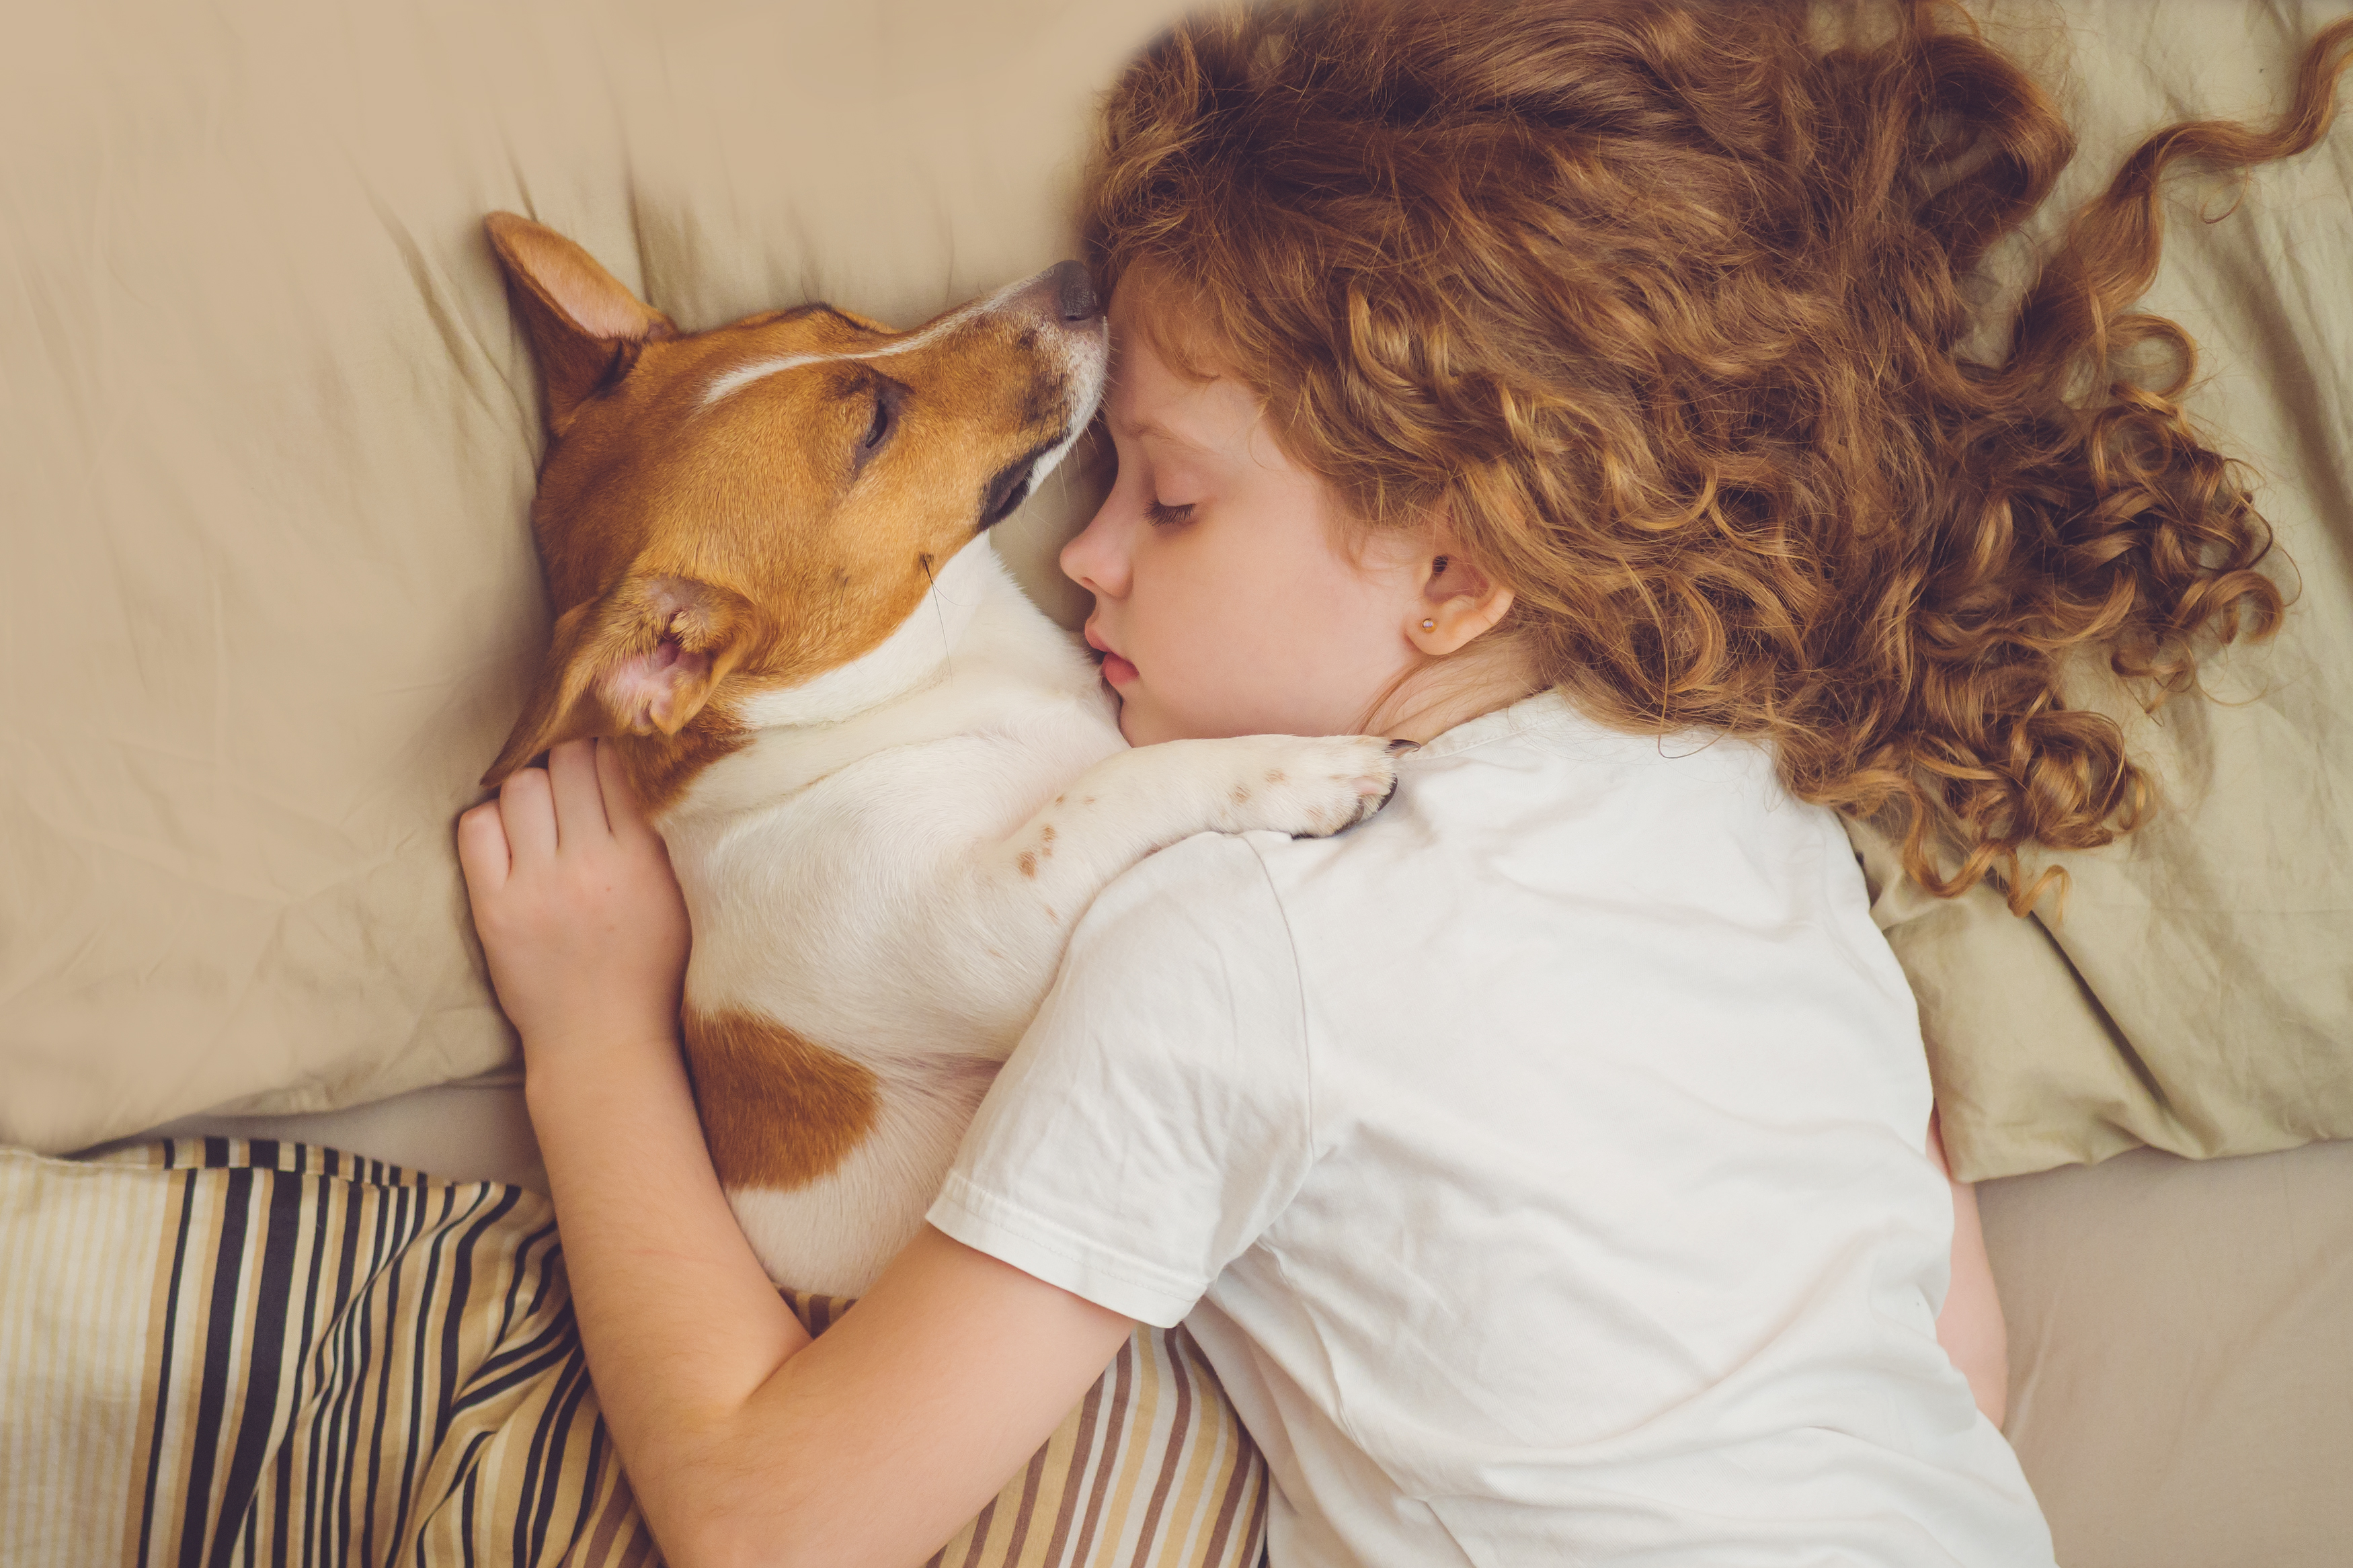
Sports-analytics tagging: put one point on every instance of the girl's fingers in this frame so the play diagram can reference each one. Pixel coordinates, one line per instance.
(482, 853)
(620, 803)
(527, 807)
(579, 798)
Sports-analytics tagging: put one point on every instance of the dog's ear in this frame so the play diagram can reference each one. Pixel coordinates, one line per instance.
(643, 660)
(585, 325)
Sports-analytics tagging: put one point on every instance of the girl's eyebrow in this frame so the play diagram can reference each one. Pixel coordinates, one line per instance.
(1154, 431)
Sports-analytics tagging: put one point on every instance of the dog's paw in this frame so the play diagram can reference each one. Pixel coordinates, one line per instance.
(1310, 786)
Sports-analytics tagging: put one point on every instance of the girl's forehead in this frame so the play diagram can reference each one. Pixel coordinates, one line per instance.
(1151, 400)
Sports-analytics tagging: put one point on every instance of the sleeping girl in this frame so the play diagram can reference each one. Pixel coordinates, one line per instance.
(1547, 1165)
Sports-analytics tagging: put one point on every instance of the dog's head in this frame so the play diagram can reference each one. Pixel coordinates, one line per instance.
(740, 511)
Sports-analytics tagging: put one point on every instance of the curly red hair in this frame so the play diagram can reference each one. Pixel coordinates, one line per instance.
(1662, 306)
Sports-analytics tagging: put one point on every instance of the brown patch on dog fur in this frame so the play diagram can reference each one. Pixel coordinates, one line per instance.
(779, 1111)
(1029, 862)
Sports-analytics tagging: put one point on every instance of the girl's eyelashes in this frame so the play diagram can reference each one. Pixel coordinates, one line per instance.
(1163, 515)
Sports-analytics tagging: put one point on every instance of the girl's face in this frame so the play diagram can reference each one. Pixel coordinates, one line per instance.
(1226, 602)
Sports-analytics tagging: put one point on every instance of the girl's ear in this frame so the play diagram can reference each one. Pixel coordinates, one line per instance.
(1460, 601)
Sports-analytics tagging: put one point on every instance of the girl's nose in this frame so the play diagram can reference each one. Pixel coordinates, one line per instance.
(1096, 557)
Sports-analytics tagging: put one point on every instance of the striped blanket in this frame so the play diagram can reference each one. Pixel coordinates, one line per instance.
(214, 1352)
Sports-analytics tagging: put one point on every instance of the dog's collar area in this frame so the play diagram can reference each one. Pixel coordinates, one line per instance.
(916, 654)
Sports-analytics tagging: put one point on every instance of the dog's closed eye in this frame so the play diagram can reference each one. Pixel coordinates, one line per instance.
(884, 419)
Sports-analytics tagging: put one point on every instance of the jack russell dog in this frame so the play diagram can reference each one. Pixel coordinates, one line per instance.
(889, 783)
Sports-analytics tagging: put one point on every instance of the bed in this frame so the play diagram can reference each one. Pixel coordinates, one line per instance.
(269, 603)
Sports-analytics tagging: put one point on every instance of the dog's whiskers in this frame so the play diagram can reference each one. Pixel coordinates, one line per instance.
(947, 654)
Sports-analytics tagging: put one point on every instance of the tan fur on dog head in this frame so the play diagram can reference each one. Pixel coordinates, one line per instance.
(741, 510)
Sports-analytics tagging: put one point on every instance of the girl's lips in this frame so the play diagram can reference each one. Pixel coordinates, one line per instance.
(1115, 670)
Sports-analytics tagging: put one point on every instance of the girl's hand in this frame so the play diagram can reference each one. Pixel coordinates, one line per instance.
(579, 914)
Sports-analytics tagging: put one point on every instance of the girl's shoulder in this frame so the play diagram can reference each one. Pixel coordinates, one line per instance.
(1532, 827)
(1526, 822)
(1205, 905)
(1549, 723)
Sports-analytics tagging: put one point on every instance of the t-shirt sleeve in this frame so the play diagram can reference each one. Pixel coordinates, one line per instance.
(1154, 1119)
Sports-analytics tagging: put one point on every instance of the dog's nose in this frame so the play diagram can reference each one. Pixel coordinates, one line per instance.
(1073, 292)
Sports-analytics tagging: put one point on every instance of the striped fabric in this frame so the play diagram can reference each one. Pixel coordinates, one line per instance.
(221, 1353)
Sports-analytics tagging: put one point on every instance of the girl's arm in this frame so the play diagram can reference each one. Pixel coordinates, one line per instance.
(742, 1439)
(1970, 1328)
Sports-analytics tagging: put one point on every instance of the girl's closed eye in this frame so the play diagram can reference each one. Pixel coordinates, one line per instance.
(1164, 515)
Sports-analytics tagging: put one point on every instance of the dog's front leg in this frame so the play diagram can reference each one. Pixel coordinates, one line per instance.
(1134, 802)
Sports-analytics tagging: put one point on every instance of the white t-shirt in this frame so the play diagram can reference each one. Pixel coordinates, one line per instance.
(1540, 1164)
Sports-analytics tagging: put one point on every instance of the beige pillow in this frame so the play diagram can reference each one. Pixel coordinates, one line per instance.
(2198, 993)
(267, 587)
(269, 601)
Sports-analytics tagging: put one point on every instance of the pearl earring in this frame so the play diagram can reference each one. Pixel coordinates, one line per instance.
(1429, 626)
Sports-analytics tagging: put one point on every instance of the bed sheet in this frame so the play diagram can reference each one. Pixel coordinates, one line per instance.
(2181, 1331)
(2182, 1354)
